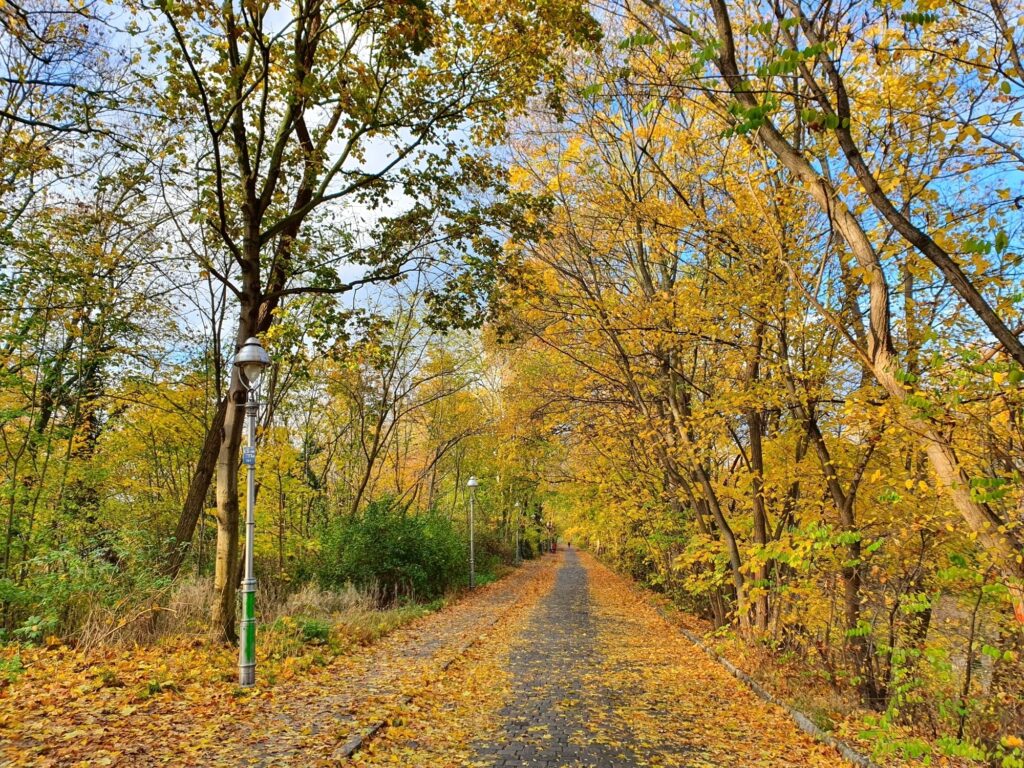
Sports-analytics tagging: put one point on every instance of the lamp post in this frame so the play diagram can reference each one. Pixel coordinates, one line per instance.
(517, 531)
(471, 484)
(251, 360)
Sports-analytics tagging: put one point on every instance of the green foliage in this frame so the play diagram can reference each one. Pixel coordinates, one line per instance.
(988, 489)
(526, 549)
(491, 551)
(156, 686)
(11, 668)
(919, 19)
(397, 553)
(749, 119)
(108, 678)
(63, 587)
(314, 630)
(636, 40)
(35, 628)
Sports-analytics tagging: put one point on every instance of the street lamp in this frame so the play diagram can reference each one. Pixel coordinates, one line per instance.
(251, 360)
(517, 532)
(471, 484)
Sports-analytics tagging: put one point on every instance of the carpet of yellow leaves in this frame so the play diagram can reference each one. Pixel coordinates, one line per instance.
(680, 706)
(453, 709)
(793, 682)
(683, 699)
(177, 703)
(439, 685)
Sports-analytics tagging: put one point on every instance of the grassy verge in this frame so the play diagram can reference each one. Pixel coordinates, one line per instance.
(151, 649)
(169, 644)
(115, 698)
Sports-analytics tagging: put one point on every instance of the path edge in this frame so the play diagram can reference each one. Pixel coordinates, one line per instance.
(803, 722)
(356, 741)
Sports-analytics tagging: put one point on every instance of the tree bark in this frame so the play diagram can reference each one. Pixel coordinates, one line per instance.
(755, 427)
(222, 616)
(198, 489)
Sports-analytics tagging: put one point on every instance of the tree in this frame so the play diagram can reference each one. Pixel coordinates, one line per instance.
(343, 104)
(716, 47)
(720, 396)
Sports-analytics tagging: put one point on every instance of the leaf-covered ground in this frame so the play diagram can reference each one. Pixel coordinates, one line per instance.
(590, 676)
(178, 704)
(560, 664)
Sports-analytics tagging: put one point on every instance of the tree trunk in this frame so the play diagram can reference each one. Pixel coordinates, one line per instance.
(1002, 545)
(755, 426)
(225, 584)
(198, 489)
(732, 548)
(917, 237)
(761, 607)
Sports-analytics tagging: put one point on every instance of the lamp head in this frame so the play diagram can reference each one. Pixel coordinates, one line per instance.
(472, 482)
(252, 359)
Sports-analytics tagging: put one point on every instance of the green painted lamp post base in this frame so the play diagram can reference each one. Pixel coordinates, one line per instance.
(247, 640)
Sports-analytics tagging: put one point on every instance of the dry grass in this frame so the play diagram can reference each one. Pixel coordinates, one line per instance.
(182, 610)
(133, 620)
(314, 602)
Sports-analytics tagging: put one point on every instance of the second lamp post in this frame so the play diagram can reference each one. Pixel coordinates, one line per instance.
(251, 360)
(471, 484)
(518, 519)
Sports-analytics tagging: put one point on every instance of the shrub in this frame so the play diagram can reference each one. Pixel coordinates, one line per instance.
(35, 628)
(77, 594)
(314, 630)
(398, 554)
(11, 668)
(492, 552)
(526, 549)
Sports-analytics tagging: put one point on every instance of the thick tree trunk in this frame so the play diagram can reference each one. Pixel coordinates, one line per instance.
(198, 489)
(225, 582)
(222, 617)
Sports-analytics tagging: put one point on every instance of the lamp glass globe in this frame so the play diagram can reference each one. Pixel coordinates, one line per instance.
(253, 372)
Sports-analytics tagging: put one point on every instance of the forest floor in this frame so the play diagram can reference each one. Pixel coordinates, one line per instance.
(559, 664)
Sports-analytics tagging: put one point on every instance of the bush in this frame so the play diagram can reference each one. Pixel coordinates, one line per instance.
(314, 630)
(397, 554)
(491, 552)
(11, 668)
(71, 592)
(526, 550)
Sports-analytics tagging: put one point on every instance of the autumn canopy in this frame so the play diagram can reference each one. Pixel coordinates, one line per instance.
(729, 294)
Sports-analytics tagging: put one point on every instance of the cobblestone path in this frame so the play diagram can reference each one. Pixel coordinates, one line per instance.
(304, 723)
(561, 712)
(581, 671)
